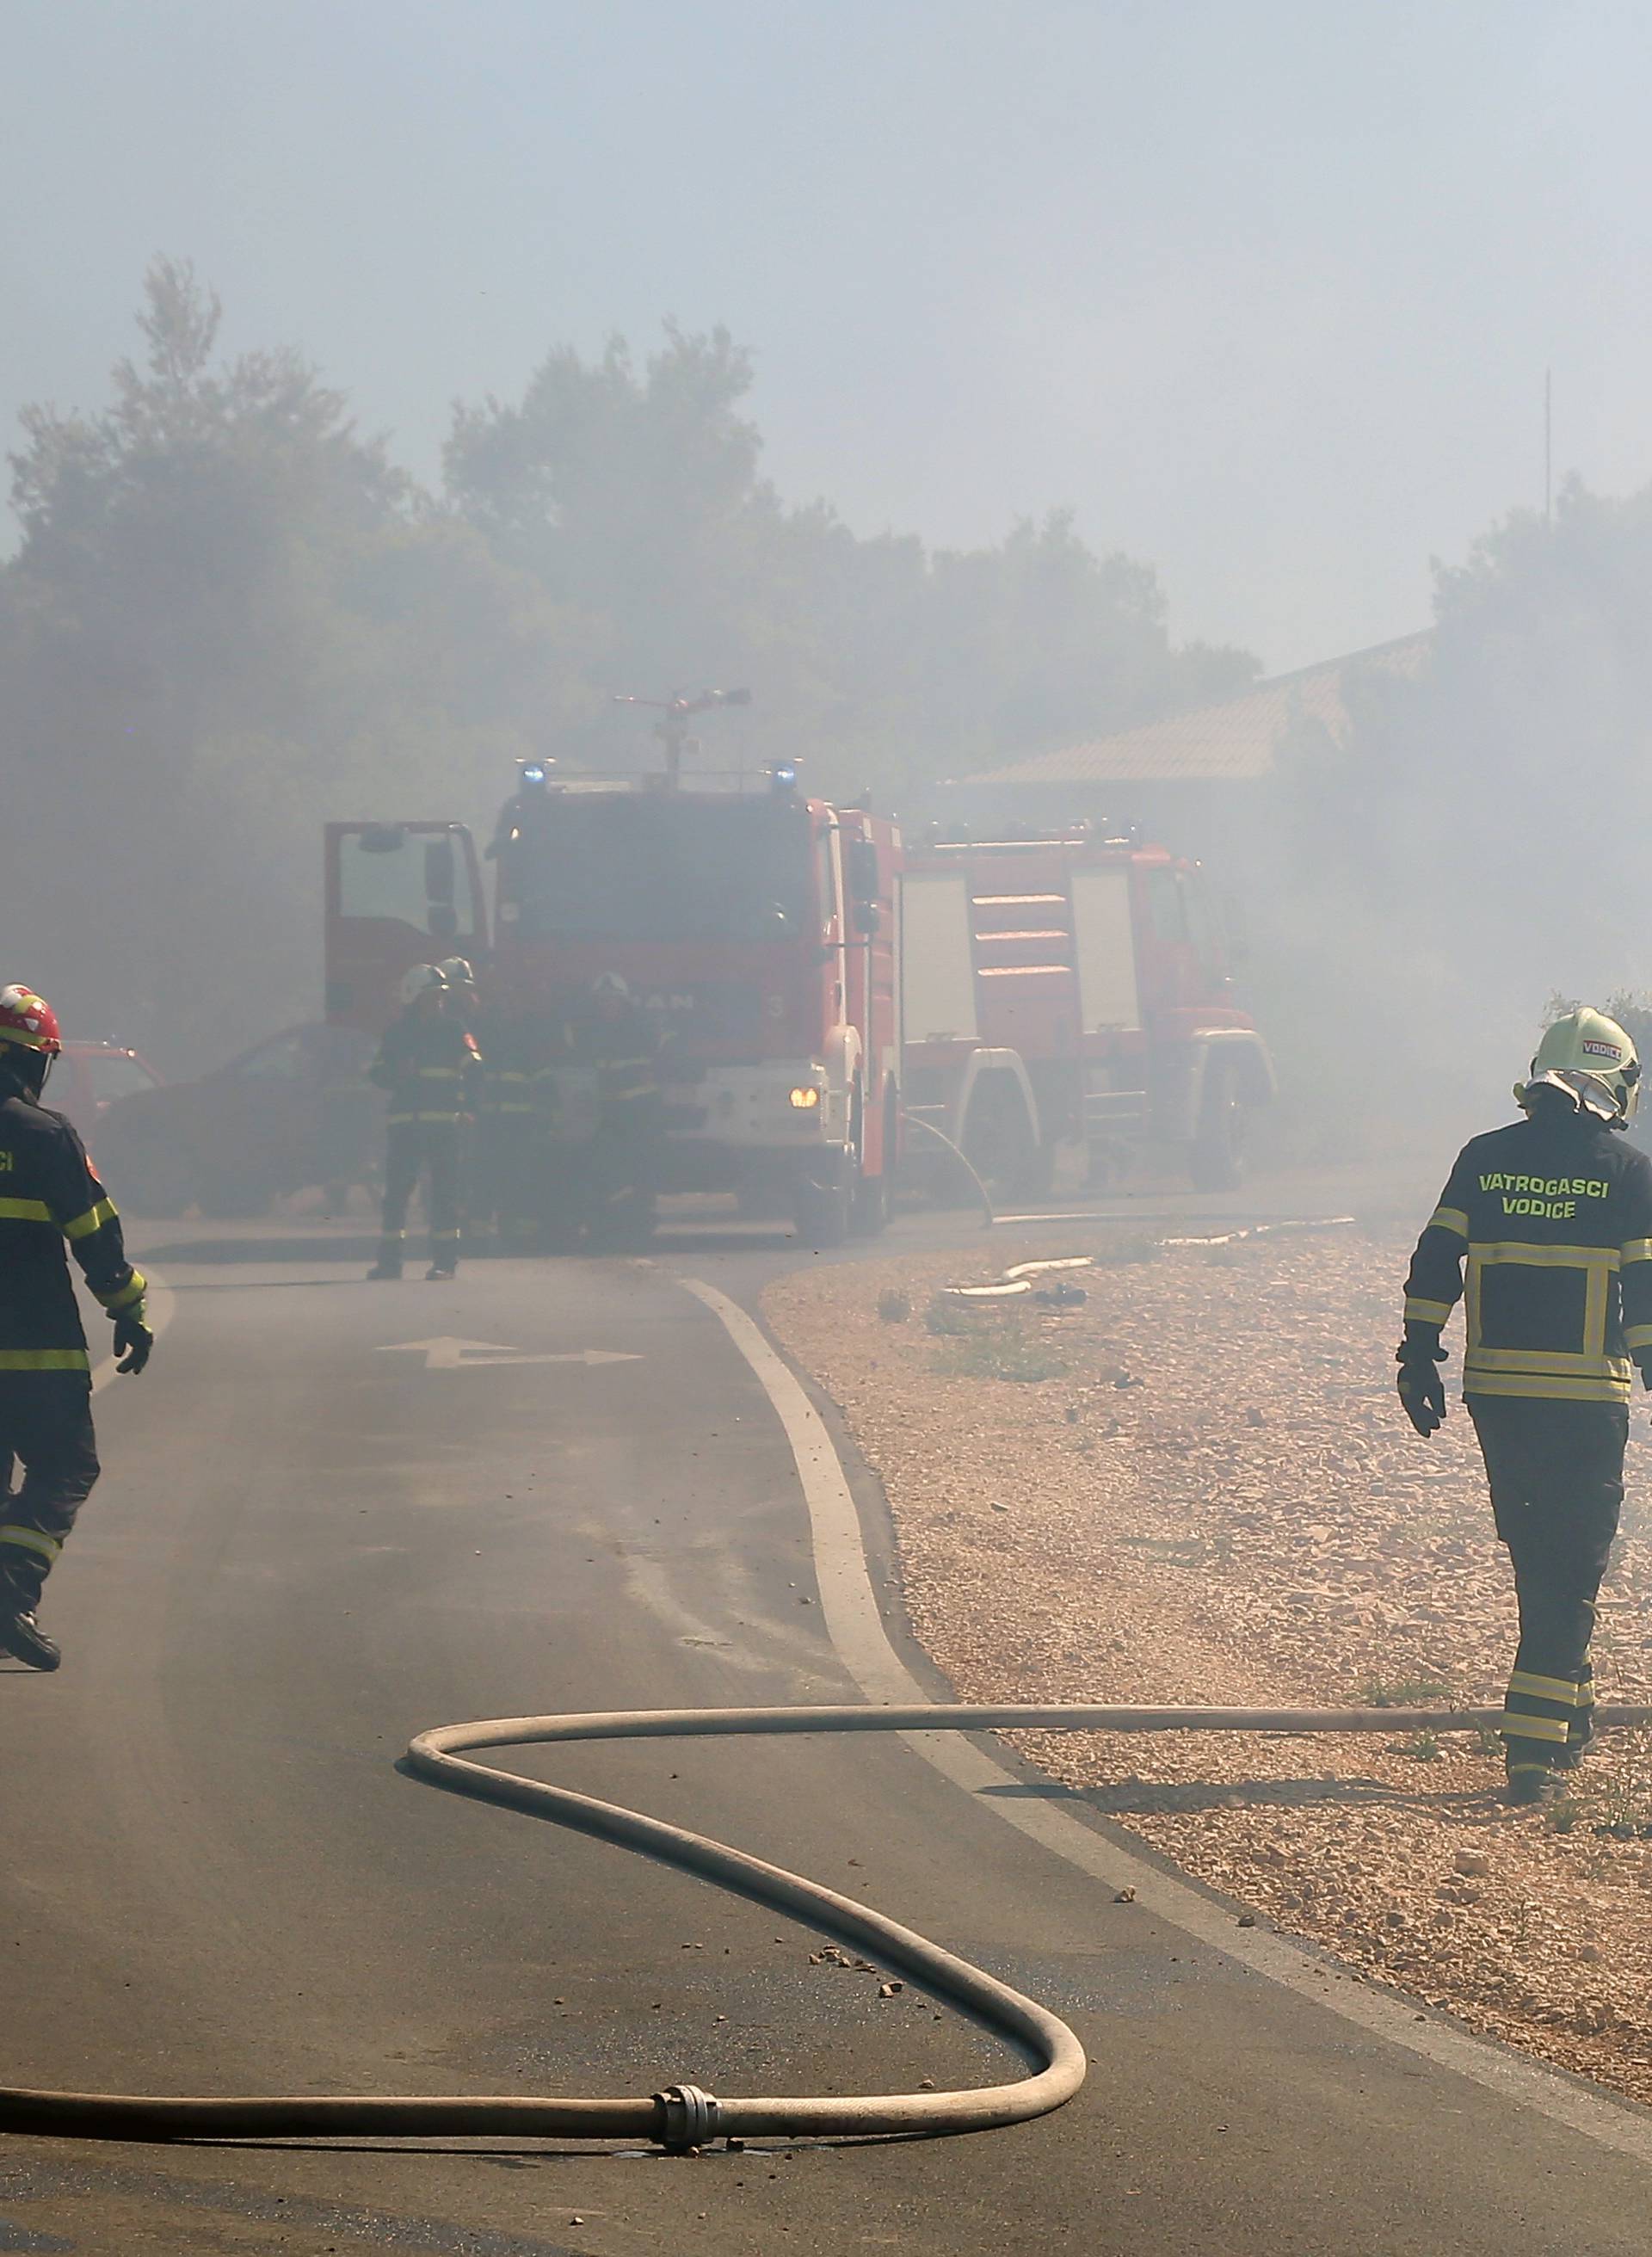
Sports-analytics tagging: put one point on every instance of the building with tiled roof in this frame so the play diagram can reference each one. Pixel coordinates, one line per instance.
(1237, 740)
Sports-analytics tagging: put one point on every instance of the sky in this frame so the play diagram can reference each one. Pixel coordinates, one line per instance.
(1263, 290)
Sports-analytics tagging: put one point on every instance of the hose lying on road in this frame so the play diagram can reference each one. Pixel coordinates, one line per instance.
(683, 2117)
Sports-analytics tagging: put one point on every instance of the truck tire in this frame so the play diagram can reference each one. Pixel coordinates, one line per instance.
(998, 1136)
(625, 1225)
(868, 1207)
(1035, 1177)
(870, 1204)
(1217, 1163)
(823, 1212)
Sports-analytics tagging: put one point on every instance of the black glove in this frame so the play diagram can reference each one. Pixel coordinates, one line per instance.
(1422, 1388)
(1643, 1365)
(133, 1340)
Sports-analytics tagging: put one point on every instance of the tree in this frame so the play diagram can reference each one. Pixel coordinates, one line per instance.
(1477, 843)
(232, 617)
(636, 493)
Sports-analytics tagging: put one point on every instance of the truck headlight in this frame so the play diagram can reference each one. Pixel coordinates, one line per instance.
(804, 1099)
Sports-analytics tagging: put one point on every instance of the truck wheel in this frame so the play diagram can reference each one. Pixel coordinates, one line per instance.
(869, 1203)
(1035, 1174)
(998, 1136)
(1217, 1159)
(869, 1209)
(823, 1212)
(625, 1225)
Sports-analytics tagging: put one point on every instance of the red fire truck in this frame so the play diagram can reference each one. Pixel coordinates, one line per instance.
(756, 925)
(1073, 989)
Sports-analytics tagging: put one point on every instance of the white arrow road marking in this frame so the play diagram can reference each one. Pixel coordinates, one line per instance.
(479, 1356)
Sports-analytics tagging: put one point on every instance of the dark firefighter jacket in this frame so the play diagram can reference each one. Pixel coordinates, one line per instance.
(49, 1199)
(1544, 1230)
(507, 1048)
(431, 1067)
(624, 1049)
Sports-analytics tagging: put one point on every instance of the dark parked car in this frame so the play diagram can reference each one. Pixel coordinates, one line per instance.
(90, 1076)
(294, 1111)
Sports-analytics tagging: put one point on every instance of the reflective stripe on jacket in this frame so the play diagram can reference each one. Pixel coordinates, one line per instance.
(1544, 1232)
(51, 1205)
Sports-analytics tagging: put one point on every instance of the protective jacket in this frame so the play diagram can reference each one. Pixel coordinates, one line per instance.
(624, 1049)
(431, 1067)
(507, 1092)
(51, 1198)
(1544, 1230)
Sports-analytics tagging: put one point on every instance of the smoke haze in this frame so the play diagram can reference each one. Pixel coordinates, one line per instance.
(1128, 349)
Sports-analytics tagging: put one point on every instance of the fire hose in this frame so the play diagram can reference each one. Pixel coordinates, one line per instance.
(682, 2117)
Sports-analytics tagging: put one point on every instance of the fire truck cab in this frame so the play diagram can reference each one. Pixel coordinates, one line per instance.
(1073, 989)
(754, 926)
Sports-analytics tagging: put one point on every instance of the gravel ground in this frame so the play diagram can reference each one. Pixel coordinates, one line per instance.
(1197, 1487)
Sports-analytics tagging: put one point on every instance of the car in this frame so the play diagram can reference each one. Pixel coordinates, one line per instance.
(90, 1076)
(293, 1111)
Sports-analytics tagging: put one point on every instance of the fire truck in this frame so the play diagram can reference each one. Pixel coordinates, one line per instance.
(757, 927)
(1073, 989)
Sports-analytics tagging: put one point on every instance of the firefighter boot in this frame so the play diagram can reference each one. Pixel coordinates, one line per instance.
(1532, 1783)
(1580, 1731)
(440, 1270)
(21, 1636)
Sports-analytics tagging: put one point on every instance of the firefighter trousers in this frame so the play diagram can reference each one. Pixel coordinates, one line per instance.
(428, 1149)
(45, 1429)
(1556, 1471)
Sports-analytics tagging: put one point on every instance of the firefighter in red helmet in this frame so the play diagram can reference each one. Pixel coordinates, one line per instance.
(50, 1200)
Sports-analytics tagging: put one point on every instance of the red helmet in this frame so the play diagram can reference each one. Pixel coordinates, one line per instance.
(28, 1020)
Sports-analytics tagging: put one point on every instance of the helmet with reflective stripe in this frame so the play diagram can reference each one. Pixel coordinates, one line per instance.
(456, 971)
(29, 1021)
(611, 987)
(1590, 1059)
(421, 980)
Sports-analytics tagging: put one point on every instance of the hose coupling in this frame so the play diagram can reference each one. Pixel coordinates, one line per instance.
(689, 2118)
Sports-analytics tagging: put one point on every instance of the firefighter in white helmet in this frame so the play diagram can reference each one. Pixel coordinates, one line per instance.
(1552, 1218)
(428, 1063)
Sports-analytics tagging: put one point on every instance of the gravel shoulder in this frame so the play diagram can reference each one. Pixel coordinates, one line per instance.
(1197, 1486)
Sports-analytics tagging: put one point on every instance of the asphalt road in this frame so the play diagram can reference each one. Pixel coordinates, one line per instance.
(309, 1544)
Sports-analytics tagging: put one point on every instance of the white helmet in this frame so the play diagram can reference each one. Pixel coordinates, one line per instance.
(419, 980)
(456, 971)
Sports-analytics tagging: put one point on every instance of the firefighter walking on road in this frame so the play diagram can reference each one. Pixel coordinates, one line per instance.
(429, 1063)
(1552, 1218)
(50, 1201)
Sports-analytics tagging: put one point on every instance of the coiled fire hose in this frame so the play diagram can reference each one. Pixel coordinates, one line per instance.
(682, 2117)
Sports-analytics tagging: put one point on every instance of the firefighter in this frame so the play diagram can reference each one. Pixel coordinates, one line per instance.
(429, 1064)
(501, 1203)
(618, 1036)
(49, 1198)
(461, 1002)
(516, 1139)
(1553, 1216)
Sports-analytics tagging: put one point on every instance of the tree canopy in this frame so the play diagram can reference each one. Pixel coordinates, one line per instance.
(1477, 841)
(232, 615)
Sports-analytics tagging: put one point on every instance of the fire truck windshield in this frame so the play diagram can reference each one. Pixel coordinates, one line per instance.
(630, 866)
